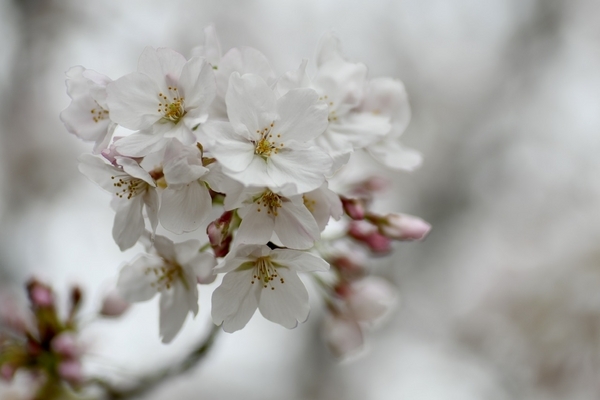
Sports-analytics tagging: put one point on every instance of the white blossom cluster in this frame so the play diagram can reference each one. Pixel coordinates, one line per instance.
(225, 131)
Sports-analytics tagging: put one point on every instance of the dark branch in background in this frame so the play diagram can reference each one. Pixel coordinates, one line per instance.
(153, 380)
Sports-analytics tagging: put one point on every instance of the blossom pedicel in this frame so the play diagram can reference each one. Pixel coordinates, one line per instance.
(226, 134)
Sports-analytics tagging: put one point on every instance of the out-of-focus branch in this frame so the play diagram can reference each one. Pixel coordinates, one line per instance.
(153, 380)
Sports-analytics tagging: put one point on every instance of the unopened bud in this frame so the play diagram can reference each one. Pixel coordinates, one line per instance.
(355, 208)
(66, 345)
(368, 235)
(71, 371)
(113, 305)
(7, 372)
(40, 294)
(403, 227)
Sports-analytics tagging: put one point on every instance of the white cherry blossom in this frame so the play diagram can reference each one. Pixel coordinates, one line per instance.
(174, 271)
(266, 141)
(265, 212)
(258, 277)
(387, 97)
(133, 188)
(87, 116)
(167, 98)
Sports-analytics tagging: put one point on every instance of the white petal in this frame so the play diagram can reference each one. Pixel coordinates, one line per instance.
(165, 247)
(152, 205)
(174, 308)
(284, 303)
(256, 227)
(303, 166)
(250, 104)
(129, 222)
(134, 283)
(243, 60)
(302, 116)
(328, 48)
(140, 144)
(299, 260)
(293, 79)
(182, 164)
(133, 101)
(198, 84)
(230, 149)
(99, 171)
(160, 65)
(132, 168)
(357, 130)
(211, 50)
(202, 265)
(295, 226)
(388, 97)
(184, 209)
(235, 301)
(393, 155)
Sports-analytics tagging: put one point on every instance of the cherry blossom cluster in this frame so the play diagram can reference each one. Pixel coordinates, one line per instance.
(221, 145)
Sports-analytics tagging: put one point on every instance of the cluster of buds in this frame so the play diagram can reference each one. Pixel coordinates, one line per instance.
(224, 133)
(47, 347)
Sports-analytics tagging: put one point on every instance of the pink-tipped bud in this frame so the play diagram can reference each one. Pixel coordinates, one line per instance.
(7, 372)
(40, 294)
(113, 305)
(403, 227)
(368, 235)
(71, 371)
(218, 234)
(111, 152)
(354, 208)
(66, 345)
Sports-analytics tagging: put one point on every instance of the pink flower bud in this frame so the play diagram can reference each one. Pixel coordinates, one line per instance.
(403, 227)
(113, 305)
(66, 345)
(71, 371)
(40, 295)
(218, 234)
(354, 208)
(367, 234)
(7, 372)
(110, 153)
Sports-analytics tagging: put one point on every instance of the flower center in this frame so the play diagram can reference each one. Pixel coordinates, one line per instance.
(165, 275)
(128, 186)
(265, 273)
(172, 106)
(99, 113)
(309, 203)
(266, 144)
(271, 201)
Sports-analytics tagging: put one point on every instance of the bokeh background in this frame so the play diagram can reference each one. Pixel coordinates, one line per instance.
(502, 301)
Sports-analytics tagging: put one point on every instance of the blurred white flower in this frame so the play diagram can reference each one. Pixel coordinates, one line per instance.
(174, 272)
(88, 116)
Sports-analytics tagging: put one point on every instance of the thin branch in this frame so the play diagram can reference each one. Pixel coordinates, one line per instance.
(151, 381)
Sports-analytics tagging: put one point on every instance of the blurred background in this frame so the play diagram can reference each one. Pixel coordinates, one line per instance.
(501, 301)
